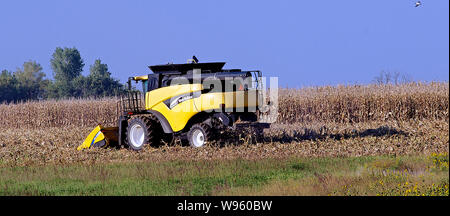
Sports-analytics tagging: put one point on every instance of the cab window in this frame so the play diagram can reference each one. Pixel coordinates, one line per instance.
(145, 86)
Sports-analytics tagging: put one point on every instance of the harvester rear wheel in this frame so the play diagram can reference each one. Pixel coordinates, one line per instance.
(142, 129)
(199, 135)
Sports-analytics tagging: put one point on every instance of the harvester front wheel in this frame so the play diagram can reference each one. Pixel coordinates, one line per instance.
(198, 135)
(141, 130)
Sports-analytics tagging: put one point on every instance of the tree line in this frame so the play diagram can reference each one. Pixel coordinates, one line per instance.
(30, 83)
(387, 77)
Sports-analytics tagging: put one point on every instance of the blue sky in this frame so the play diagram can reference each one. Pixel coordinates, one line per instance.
(304, 43)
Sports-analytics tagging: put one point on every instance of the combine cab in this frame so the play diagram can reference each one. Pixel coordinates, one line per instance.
(193, 101)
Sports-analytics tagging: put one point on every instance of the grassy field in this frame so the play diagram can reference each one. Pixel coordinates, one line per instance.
(344, 140)
(370, 175)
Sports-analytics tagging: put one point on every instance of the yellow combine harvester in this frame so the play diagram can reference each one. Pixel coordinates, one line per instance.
(193, 101)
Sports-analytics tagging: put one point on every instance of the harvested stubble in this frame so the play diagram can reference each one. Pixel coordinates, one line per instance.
(58, 145)
(341, 104)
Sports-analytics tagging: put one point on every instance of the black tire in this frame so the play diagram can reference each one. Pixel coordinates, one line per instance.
(142, 130)
(167, 138)
(199, 135)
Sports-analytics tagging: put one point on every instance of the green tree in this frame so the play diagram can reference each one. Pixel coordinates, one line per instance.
(67, 65)
(99, 82)
(8, 89)
(82, 86)
(99, 70)
(31, 81)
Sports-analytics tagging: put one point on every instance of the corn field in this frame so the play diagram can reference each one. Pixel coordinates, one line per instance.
(340, 104)
(362, 103)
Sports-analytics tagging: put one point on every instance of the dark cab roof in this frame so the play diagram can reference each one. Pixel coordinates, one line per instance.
(183, 68)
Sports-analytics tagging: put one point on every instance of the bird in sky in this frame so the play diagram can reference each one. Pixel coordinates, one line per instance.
(418, 3)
